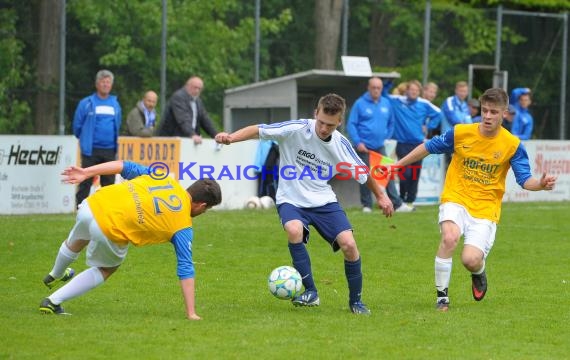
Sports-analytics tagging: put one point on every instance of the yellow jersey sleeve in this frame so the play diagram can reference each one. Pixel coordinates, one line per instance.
(476, 175)
(141, 211)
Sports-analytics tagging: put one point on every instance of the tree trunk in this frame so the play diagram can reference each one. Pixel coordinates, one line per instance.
(46, 109)
(327, 15)
(381, 53)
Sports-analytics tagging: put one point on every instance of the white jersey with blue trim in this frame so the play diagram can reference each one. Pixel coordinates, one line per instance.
(307, 163)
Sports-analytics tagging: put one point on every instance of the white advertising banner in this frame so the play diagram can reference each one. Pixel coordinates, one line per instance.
(545, 156)
(432, 177)
(30, 168)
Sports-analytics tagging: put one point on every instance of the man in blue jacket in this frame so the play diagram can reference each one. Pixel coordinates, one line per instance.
(523, 122)
(412, 115)
(96, 124)
(455, 108)
(370, 123)
(455, 111)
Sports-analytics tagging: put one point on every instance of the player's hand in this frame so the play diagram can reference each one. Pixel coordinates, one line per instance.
(362, 148)
(386, 205)
(547, 182)
(223, 138)
(73, 175)
(197, 139)
(194, 317)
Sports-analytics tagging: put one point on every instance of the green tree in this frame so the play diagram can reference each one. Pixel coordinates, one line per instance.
(212, 39)
(14, 113)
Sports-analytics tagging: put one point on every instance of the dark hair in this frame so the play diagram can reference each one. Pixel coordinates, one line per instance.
(332, 104)
(207, 191)
(496, 96)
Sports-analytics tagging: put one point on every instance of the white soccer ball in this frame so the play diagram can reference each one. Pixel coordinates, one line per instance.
(267, 202)
(285, 282)
(253, 203)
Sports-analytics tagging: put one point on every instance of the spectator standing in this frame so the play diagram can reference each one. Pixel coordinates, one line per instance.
(509, 117)
(429, 91)
(474, 110)
(96, 123)
(142, 118)
(400, 89)
(412, 113)
(370, 123)
(523, 121)
(185, 114)
(455, 109)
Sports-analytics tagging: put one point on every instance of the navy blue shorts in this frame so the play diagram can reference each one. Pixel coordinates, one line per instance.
(329, 220)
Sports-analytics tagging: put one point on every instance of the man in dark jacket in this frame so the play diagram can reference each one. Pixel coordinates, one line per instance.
(185, 114)
(141, 119)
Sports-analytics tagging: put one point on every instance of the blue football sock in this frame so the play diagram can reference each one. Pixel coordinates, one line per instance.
(302, 262)
(353, 271)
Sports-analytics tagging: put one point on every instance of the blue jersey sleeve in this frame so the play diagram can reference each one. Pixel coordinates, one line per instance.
(520, 165)
(441, 144)
(131, 170)
(182, 242)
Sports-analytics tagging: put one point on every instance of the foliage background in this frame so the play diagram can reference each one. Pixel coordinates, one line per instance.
(215, 39)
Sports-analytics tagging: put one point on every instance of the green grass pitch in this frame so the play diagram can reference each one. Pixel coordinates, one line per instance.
(138, 313)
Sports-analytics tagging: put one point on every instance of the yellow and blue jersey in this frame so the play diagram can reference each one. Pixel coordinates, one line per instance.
(143, 211)
(476, 175)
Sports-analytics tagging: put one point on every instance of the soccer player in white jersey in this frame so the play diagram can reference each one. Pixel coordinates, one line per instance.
(474, 186)
(312, 151)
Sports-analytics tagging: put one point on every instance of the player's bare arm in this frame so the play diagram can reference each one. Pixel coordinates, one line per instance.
(76, 174)
(246, 133)
(415, 155)
(382, 199)
(188, 292)
(546, 182)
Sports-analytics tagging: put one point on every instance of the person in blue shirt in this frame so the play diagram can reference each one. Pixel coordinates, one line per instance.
(96, 124)
(455, 111)
(509, 117)
(370, 123)
(523, 121)
(412, 115)
(474, 110)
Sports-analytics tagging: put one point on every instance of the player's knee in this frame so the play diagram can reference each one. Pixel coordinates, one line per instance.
(449, 240)
(294, 231)
(472, 260)
(349, 249)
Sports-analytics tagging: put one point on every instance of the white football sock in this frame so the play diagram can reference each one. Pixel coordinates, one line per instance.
(64, 257)
(442, 273)
(79, 285)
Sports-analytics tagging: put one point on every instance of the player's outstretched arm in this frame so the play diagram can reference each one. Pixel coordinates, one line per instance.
(415, 155)
(188, 292)
(246, 133)
(76, 174)
(546, 182)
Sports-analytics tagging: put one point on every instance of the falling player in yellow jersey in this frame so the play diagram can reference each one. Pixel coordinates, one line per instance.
(146, 209)
(474, 188)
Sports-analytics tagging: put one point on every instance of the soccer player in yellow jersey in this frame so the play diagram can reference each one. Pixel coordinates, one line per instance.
(146, 209)
(474, 187)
